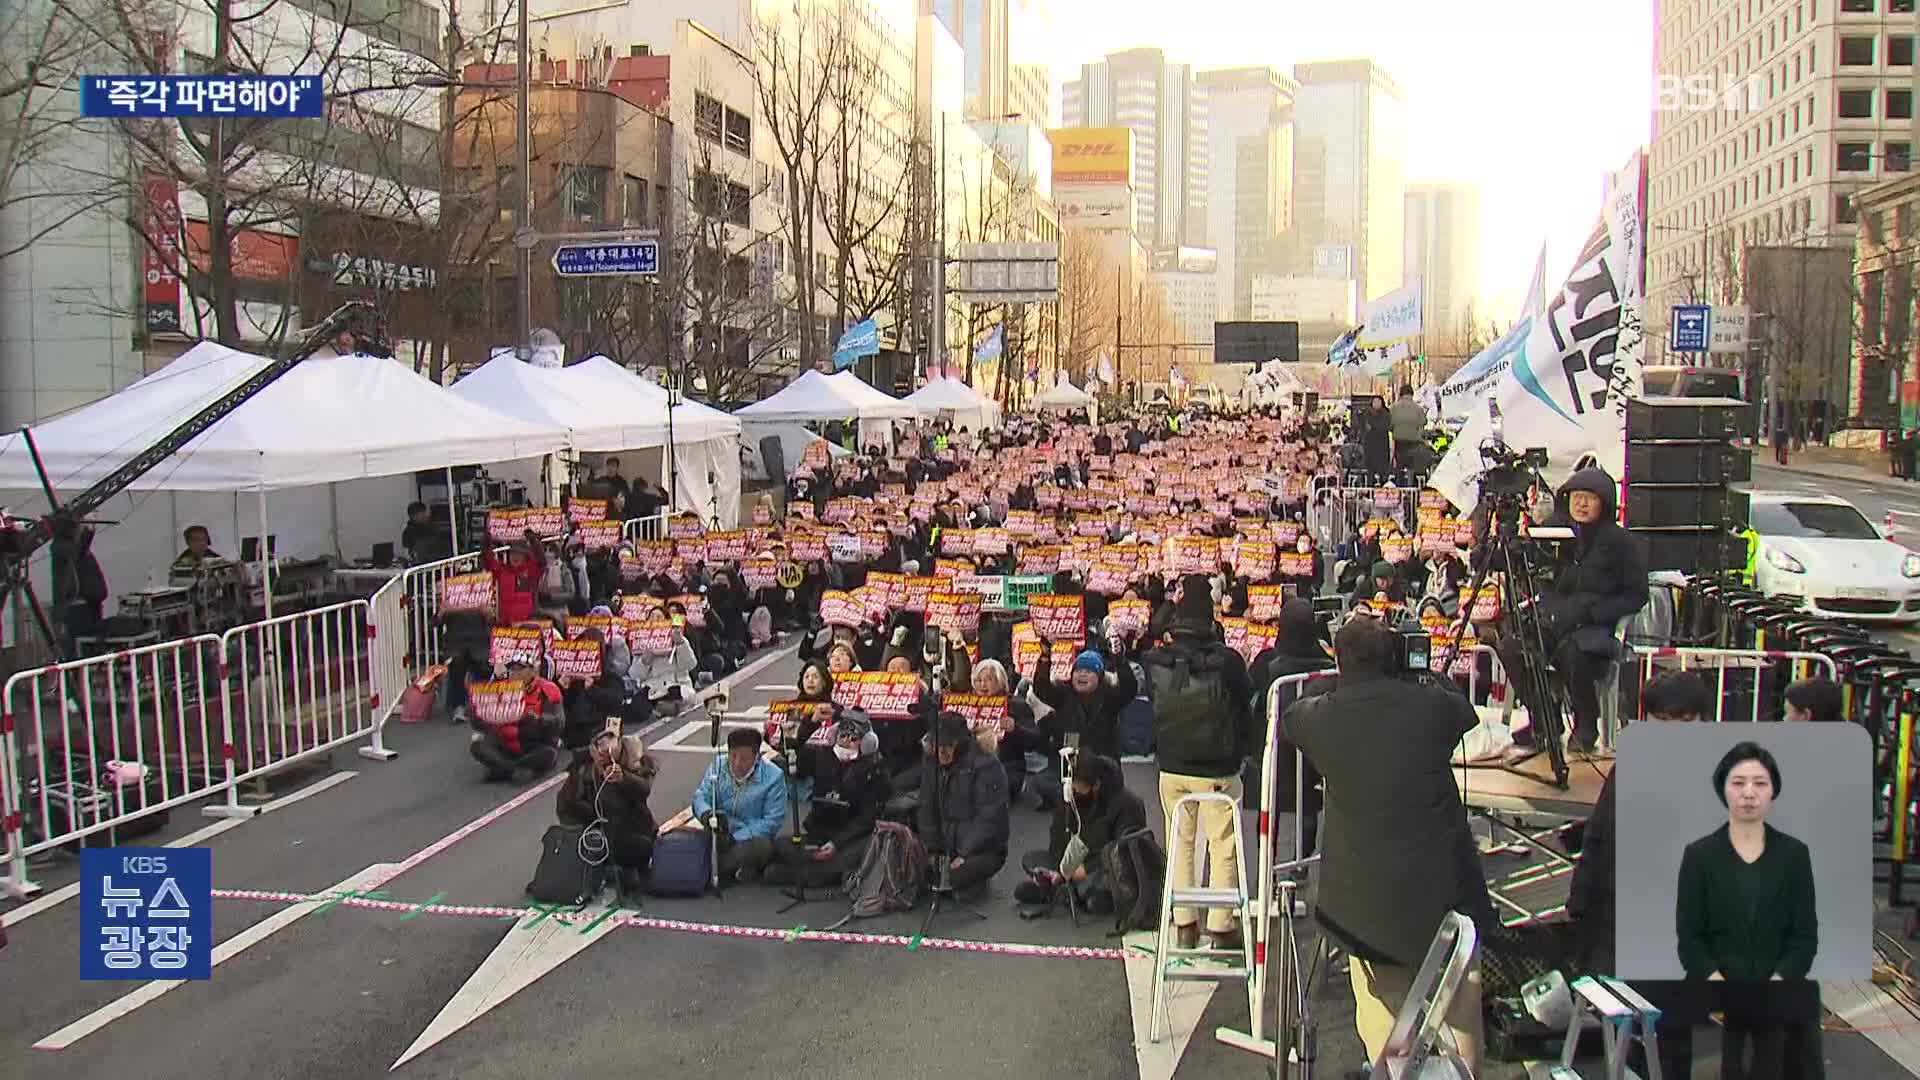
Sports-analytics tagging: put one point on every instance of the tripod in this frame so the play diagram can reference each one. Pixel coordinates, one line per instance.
(796, 893)
(942, 890)
(1517, 592)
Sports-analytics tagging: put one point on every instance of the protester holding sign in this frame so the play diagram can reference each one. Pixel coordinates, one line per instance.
(518, 743)
(517, 577)
(1086, 709)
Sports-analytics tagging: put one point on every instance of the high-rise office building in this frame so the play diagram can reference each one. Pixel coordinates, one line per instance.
(1443, 252)
(1356, 113)
(1250, 193)
(1001, 43)
(1767, 118)
(1139, 90)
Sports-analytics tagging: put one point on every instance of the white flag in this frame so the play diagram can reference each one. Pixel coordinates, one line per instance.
(1106, 369)
(1386, 333)
(1562, 380)
(1536, 286)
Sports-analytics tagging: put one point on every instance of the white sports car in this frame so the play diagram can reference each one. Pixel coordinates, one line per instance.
(1820, 550)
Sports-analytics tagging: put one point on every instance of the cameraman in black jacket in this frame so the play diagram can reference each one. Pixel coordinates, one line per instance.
(1397, 854)
(1601, 580)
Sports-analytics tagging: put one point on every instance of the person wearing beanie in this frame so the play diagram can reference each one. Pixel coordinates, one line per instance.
(1203, 731)
(1383, 584)
(850, 791)
(963, 808)
(1086, 708)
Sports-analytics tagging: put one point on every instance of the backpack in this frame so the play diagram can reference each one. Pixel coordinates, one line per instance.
(1135, 725)
(562, 876)
(1192, 721)
(682, 864)
(890, 874)
(1136, 872)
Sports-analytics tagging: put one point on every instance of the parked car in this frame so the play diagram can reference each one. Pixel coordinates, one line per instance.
(1820, 550)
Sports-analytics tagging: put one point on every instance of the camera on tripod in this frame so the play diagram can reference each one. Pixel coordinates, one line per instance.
(1413, 651)
(1510, 474)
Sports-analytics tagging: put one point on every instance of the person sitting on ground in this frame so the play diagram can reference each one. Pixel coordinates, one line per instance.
(1383, 585)
(608, 785)
(963, 808)
(1022, 735)
(527, 747)
(588, 703)
(747, 795)
(1101, 811)
(666, 680)
(850, 790)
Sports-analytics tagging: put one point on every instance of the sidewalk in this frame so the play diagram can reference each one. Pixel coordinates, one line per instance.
(1859, 466)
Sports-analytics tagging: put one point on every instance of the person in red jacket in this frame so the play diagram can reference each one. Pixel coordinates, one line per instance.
(524, 748)
(517, 580)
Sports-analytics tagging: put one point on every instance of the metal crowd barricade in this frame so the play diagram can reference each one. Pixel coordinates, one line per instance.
(1281, 693)
(652, 527)
(300, 685)
(1349, 508)
(160, 710)
(1761, 662)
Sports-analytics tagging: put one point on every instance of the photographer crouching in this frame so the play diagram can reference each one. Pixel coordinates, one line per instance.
(1397, 854)
(1601, 579)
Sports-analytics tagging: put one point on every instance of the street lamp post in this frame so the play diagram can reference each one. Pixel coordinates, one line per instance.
(523, 203)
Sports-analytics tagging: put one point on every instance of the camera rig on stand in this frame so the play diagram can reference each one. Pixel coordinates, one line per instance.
(1507, 547)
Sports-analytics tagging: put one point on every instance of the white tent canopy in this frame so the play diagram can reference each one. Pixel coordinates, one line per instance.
(326, 420)
(705, 441)
(545, 396)
(948, 395)
(814, 396)
(1064, 395)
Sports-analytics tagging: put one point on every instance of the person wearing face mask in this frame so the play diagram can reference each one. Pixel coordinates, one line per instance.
(1308, 584)
(609, 784)
(667, 679)
(964, 822)
(850, 790)
(745, 796)
(1101, 811)
(1746, 918)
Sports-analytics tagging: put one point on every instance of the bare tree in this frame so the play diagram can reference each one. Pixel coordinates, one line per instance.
(1086, 301)
(796, 55)
(866, 191)
(44, 49)
(1812, 308)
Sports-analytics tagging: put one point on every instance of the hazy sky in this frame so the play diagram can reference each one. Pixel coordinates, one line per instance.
(1534, 101)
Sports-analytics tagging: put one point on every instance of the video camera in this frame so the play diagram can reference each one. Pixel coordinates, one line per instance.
(1510, 474)
(1413, 654)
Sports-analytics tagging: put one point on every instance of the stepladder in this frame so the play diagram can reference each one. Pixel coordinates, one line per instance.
(1624, 1018)
(1172, 963)
(1416, 1048)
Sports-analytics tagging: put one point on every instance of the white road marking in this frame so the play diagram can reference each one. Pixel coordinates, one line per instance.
(226, 950)
(528, 951)
(1866, 1007)
(1185, 1002)
(676, 742)
(192, 839)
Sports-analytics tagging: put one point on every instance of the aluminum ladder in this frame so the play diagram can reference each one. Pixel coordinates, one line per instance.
(1624, 1018)
(1202, 964)
(1416, 1049)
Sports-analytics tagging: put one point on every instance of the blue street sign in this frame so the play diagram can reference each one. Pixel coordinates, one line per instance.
(146, 913)
(1691, 323)
(621, 258)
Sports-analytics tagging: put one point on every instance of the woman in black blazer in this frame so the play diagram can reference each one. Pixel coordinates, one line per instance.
(1745, 918)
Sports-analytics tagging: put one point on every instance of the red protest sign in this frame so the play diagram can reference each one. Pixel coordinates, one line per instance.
(469, 592)
(685, 527)
(1249, 638)
(872, 601)
(885, 695)
(1254, 559)
(917, 590)
(1060, 662)
(956, 613)
(497, 702)
(726, 546)
(1296, 564)
(760, 573)
(1193, 554)
(652, 636)
(581, 511)
(891, 586)
(957, 541)
(1058, 618)
(839, 608)
(598, 535)
(1044, 559)
(984, 712)
(808, 547)
(545, 521)
(1396, 550)
(695, 607)
(1129, 618)
(1264, 601)
(513, 643)
(506, 526)
(991, 542)
(640, 607)
(1109, 577)
(576, 659)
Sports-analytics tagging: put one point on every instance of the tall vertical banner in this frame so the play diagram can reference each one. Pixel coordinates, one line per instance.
(160, 254)
(1565, 383)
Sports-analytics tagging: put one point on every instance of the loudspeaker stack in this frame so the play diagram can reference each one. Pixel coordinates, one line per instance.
(1683, 462)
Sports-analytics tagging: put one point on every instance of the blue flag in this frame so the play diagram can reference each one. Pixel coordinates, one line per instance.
(991, 349)
(861, 340)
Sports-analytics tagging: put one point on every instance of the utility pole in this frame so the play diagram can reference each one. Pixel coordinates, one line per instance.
(523, 206)
(1119, 349)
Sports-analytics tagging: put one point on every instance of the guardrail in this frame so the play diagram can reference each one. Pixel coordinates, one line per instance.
(1760, 662)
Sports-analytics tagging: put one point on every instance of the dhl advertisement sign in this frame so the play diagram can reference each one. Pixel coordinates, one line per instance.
(1092, 155)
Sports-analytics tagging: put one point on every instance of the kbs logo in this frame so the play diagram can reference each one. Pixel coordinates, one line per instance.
(1078, 150)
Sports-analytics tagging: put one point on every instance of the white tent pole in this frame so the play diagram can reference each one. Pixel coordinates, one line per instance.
(453, 512)
(266, 557)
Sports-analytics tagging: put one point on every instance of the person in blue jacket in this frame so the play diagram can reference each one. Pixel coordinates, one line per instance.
(750, 793)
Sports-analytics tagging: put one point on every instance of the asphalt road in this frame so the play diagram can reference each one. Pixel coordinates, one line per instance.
(1874, 500)
(345, 992)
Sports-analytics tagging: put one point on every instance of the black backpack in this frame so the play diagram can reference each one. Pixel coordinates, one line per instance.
(1192, 719)
(562, 876)
(1136, 870)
